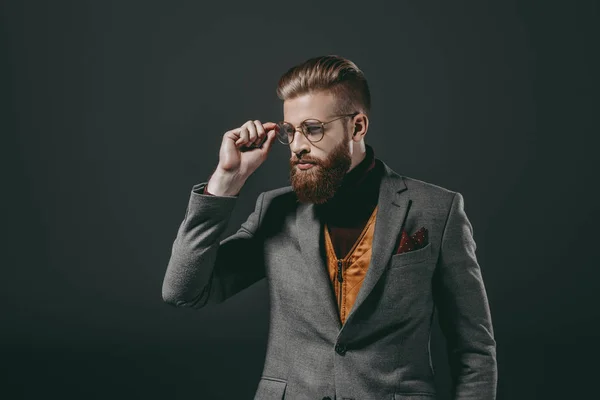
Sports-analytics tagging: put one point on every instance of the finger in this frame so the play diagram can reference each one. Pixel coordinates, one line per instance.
(233, 134)
(252, 132)
(269, 125)
(260, 131)
(243, 135)
(271, 135)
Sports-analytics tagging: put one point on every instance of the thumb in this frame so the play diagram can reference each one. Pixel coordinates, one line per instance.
(269, 142)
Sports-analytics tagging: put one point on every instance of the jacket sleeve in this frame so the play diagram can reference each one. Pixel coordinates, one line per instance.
(202, 268)
(464, 313)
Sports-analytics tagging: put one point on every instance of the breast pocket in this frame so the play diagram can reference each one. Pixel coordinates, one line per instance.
(412, 257)
(270, 389)
(407, 283)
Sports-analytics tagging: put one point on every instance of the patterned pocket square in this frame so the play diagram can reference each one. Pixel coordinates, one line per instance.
(418, 240)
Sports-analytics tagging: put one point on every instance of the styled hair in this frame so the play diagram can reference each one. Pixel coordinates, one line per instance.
(331, 73)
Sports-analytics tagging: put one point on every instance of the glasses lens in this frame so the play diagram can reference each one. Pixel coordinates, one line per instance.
(285, 132)
(313, 130)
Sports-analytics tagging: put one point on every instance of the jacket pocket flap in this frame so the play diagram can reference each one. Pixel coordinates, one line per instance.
(270, 388)
(414, 396)
(413, 257)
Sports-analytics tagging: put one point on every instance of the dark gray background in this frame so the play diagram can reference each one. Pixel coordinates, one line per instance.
(112, 110)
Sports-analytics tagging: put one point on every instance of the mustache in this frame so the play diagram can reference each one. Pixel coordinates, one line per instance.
(304, 159)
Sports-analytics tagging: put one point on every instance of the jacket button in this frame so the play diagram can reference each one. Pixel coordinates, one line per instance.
(340, 348)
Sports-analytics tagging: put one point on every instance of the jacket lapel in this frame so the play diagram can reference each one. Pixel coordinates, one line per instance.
(309, 235)
(392, 208)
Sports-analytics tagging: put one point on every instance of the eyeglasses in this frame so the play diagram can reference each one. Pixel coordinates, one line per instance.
(312, 129)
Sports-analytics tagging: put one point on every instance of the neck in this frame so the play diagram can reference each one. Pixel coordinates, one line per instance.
(358, 155)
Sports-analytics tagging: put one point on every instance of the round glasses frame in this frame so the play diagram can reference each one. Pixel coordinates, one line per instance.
(303, 127)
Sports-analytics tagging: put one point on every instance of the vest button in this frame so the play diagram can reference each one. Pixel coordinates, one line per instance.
(340, 348)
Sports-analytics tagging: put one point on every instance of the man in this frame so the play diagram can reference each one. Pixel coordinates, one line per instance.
(357, 257)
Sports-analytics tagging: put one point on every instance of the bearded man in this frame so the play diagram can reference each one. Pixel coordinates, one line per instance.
(358, 257)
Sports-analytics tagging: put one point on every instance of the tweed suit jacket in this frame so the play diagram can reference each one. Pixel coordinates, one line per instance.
(382, 351)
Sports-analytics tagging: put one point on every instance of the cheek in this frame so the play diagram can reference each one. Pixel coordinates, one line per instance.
(323, 150)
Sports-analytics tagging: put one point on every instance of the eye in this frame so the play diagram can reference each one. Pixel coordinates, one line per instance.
(313, 129)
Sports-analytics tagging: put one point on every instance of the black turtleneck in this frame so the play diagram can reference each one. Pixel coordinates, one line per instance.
(347, 212)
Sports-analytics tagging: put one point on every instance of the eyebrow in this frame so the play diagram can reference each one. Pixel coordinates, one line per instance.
(307, 119)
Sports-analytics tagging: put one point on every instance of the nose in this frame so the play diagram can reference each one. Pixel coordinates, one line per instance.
(299, 143)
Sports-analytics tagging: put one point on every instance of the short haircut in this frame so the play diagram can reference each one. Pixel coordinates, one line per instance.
(331, 73)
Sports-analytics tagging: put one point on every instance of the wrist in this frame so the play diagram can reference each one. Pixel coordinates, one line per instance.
(225, 183)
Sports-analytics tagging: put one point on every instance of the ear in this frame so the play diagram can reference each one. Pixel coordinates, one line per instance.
(361, 125)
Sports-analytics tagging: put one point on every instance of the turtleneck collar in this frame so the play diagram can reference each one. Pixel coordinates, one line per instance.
(358, 192)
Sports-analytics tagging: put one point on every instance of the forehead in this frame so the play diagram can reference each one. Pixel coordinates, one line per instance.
(319, 105)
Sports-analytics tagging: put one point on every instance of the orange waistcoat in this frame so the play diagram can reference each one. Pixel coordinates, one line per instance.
(348, 273)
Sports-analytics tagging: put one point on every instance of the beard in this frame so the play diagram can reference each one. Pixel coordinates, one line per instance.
(319, 183)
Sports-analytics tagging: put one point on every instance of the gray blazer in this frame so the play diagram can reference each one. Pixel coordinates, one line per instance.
(382, 350)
